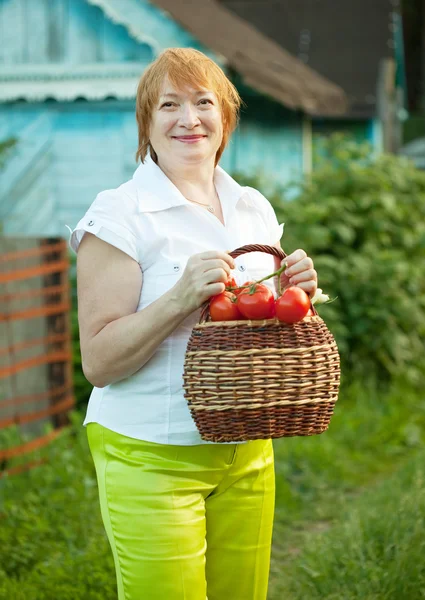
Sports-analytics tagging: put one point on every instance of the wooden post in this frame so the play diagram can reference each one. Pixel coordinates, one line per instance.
(307, 145)
(387, 103)
(59, 373)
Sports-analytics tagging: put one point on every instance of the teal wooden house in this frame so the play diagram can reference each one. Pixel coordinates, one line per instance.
(69, 71)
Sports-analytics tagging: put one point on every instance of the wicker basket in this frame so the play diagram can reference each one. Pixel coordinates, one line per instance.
(248, 380)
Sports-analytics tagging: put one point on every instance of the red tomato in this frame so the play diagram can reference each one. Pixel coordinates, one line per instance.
(242, 287)
(258, 286)
(223, 307)
(256, 305)
(292, 305)
(231, 283)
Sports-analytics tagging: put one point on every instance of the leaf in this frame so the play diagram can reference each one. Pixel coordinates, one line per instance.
(362, 220)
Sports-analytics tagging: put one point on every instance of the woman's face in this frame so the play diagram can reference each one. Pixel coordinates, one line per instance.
(186, 125)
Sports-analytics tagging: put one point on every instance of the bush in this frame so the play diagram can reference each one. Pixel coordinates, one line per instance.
(362, 219)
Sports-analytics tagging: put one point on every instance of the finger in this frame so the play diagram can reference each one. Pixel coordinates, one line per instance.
(284, 280)
(305, 264)
(308, 286)
(215, 275)
(212, 289)
(216, 263)
(295, 257)
(218, 254)
(309, 275)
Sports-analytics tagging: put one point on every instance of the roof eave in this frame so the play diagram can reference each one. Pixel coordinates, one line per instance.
(263, 64)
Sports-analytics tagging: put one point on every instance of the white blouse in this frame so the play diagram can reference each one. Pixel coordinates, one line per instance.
(151, 221)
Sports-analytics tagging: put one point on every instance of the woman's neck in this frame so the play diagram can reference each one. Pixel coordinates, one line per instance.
(193, 181)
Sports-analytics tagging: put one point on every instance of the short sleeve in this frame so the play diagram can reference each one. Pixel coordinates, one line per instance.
(112, 218)
(274, 229)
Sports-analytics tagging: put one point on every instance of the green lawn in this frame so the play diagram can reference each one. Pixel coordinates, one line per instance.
(350, 504)
(350, 508)
(373, 549)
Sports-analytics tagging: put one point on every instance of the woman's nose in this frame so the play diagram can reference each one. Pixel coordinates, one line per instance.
(189, 116)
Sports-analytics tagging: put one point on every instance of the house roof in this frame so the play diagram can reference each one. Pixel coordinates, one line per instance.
(264, 64)
(342, 40)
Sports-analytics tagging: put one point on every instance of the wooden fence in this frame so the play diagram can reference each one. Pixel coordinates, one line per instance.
(35, 347)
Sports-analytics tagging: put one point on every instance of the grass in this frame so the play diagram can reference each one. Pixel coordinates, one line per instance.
(376, 548)
(373, 550)
(52, 543)
(349, 520)
(346, 481)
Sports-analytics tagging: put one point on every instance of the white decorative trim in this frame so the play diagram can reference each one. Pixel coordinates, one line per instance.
(69, 90)
(67, 82)
(139, 16)
(62, 71)
(124, 15)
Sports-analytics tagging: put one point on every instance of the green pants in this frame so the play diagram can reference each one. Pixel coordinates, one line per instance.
(186, 522)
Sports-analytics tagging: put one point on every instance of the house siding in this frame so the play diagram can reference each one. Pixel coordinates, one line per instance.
(69, 151)
(63, 32)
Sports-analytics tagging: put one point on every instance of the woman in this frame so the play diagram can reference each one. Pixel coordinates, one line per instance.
(186, 519)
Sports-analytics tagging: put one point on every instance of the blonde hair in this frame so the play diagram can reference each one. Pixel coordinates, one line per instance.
(184, 67)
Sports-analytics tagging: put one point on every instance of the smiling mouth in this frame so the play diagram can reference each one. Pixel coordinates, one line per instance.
(189, 138)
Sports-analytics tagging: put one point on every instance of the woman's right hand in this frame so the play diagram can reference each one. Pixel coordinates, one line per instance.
(205, 275)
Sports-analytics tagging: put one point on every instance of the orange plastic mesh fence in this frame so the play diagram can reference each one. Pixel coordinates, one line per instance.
(36, 390)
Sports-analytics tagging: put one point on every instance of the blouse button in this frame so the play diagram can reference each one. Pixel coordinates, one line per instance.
(90, 223)
(176, 268)
(242, 268)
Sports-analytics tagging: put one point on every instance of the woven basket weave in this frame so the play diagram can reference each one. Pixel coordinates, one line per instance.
(248, 380)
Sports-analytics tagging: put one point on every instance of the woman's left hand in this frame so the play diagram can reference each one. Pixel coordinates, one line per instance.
(300, 272)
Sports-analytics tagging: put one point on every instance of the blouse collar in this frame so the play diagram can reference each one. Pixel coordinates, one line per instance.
(157, 192)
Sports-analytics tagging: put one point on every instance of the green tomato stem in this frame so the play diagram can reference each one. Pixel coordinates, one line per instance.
(252, 286)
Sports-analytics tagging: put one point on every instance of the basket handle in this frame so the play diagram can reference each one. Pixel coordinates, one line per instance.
(205, 313)
(258, 248)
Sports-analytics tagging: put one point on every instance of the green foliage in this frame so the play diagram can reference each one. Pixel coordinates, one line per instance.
(362, 219)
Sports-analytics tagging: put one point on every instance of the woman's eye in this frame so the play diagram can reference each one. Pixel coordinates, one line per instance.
(167, 104)
(205, 100)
